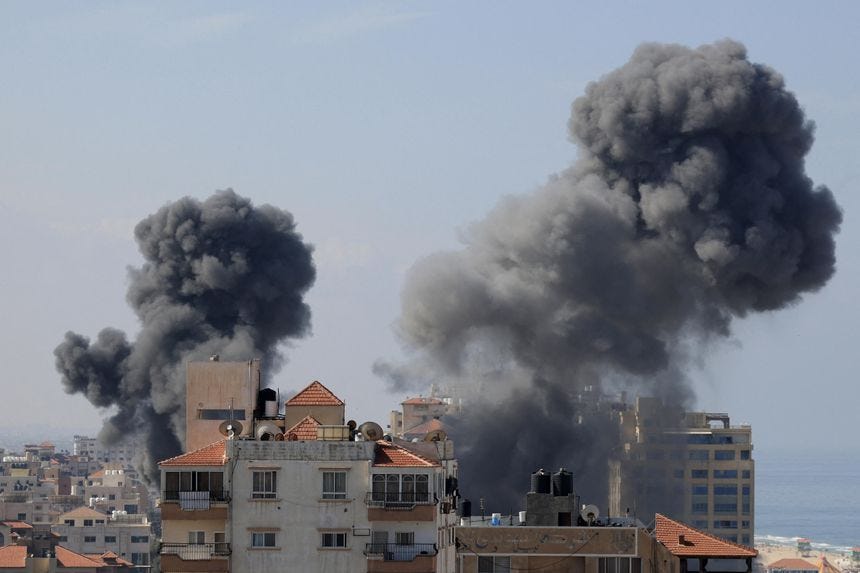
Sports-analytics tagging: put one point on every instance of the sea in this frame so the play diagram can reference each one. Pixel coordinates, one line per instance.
(811, 494)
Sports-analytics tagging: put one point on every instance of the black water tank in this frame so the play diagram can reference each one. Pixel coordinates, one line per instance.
(562, 482)
(466, 508)
(540, 482)
(263, 396)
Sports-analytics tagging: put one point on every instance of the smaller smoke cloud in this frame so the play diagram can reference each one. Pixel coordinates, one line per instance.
(220, 276)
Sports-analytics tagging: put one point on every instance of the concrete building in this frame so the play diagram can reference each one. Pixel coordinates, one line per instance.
(304, 492)
(791, 565)
(93, 449)
(421, 414)
(92, 532)
(695, 467)
(216, 392)
(18, 559)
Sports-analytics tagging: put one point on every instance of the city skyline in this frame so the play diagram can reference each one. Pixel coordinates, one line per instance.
(382, 155)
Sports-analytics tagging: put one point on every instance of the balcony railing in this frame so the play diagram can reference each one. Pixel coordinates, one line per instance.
(397, 552)
(196, 499)
(404, 501)
(196, 551)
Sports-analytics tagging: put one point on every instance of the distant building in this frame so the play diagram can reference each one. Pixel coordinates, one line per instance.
(92, 449)
(422, 414)
(695, 467)
(88, 531)
(791, 565)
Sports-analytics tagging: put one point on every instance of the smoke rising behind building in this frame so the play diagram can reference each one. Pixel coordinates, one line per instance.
(688, 206)
(220, 276)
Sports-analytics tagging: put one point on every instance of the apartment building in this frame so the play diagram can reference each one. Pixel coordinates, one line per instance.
(694, 467)
(298, 494)
(93, 449)
(92, 532)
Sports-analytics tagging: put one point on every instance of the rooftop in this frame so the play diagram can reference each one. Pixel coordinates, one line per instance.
(214, 454)
(793, 563)
(315, 394)
(684, 541)
(70, 559)
(83, 512)
(306, 429)
(13, 556)
(419, 400)
(394, 456)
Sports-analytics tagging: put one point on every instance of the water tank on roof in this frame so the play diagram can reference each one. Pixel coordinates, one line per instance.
(562, 482)
(540, 482)
(466, 509)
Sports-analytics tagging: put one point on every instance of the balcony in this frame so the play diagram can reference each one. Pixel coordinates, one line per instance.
(396, 558)
(194, 504)
(400, 506)
(195, 557)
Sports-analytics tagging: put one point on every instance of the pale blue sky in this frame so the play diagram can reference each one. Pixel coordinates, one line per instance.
(384, 128)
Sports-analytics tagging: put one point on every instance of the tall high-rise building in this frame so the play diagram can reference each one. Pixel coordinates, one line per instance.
(694, 467)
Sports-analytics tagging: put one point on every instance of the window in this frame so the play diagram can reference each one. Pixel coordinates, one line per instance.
(174, 482)
(265, 485)
(404, 538)
(195, 537)
(746, 490)
(725, 524)
(112, 496)
(725, 490)
(494, 564)
(220, 414)
(725, 508)
(700, 490)
(699, 474)
(745, 524)
(700, 508)
(724, 455)
(334, 485)
(401, 489)
(745, 474)
(110, 538)
(725, 474)
(745, 538)
(701, 523)
(618, 565)
(263, 539)
(100, 522)
(88, 523)
(335, 539)
(70, 522)
(145, 539)
(745, 454)
(89, 538)
(22, 517)
(698, 454)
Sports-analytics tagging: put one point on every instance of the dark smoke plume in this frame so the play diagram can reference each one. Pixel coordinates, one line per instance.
(220, 277)
(688, 206)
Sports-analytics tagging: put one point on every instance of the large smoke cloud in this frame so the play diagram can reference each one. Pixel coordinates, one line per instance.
(221, 276)
(688, 206)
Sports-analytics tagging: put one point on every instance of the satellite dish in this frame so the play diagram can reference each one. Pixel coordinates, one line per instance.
(371, 431)
(436, 436)
(230, 428)
(589, 513)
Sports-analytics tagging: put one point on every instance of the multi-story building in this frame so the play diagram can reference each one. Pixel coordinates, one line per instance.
(420, 415)
(92, 532)
(299, 494)
(694, 467)
(93, 449)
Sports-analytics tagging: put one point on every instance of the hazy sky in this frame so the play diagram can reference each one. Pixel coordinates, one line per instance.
(385, 128)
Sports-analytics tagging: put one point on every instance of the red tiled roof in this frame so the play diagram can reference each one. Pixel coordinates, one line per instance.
(315, 394)
(17, 525)
(212, 455)
(306, 429)
(108, 559)
(98, 474)
(428, 426)
(394, 456)
(418, 400)
(793, 563)
(695, 543)
(70, 559)
(13, 557)
(83, 512)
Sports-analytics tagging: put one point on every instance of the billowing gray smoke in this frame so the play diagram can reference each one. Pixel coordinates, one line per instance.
(221, 276)
(688, 206)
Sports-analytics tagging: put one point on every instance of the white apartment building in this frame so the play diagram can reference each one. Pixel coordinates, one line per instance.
(88, 531)
(323, 499)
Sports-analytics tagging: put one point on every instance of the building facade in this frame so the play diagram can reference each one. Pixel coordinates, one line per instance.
(695, 467)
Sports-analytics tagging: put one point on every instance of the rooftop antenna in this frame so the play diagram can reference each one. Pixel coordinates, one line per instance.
(481, 505)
